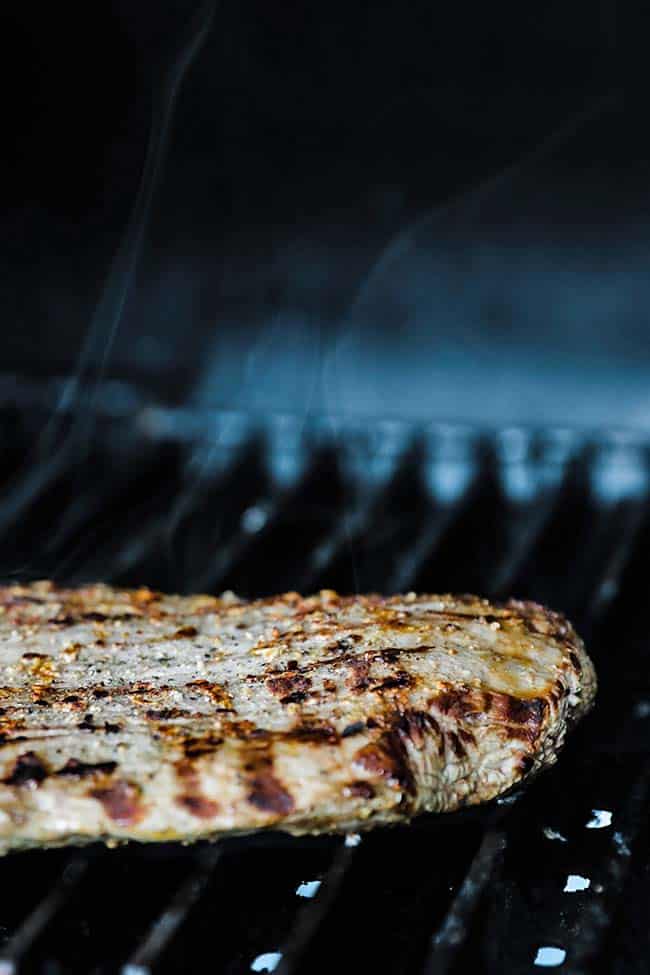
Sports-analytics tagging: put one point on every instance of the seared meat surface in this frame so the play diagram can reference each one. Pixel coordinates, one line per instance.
(127, 714)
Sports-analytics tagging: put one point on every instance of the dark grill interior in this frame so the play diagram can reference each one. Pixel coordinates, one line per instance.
(185, 501)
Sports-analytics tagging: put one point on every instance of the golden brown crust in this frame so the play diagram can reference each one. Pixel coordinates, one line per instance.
(128, 714)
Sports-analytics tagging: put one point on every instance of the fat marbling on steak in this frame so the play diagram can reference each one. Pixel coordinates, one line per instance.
(127, 714)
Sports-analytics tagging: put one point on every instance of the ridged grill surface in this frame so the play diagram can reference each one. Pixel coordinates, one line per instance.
(188, 501)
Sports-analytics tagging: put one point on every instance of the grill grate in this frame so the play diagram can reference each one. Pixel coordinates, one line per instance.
(184, 501)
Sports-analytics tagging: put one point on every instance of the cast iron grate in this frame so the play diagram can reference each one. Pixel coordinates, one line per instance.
(186, 501)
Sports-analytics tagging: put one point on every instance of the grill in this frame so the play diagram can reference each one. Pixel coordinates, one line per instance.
(553, 876)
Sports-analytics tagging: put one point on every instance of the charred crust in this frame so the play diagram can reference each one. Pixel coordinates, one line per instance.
(289, 685)
(185, 631)
(525, 764)
(73, 699)
(205, 745)
(77, 769)
(164, 714)
(94, 617)
(121, 802)
(296, 698)
(88, 724)
(400, 680)
(28, 769)
(359, 678)
(575, 661)
(314, 733)
(216, 692)
(526, 711)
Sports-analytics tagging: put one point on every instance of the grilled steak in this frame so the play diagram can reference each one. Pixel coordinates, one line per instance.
(126, 714)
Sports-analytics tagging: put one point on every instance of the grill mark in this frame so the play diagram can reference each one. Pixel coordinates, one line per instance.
(521, 717)
(192, 798)
(388, 758)
(265, 791)
(458, 702)
(360, 790)
(198, 806)
(466, 736)
(456, 744)
(417, 725)
(121, 802)
(28, 769)
(296, 698)
(77, 769)
(68, 619)
(313, 733)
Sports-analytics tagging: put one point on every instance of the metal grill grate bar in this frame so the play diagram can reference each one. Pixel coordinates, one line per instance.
(454, 930)
(482, 515)
(25, 937)
(149, 954)
(312, 917)
(606, 587)
(440, 521)
(583, 921)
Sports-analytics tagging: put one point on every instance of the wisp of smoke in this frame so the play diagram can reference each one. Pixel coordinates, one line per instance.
(69, 429)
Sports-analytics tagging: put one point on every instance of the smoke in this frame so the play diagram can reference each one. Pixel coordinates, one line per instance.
(97, 346)
(66, 437)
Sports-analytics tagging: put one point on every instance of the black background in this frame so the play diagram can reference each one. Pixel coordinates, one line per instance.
(420, 208)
